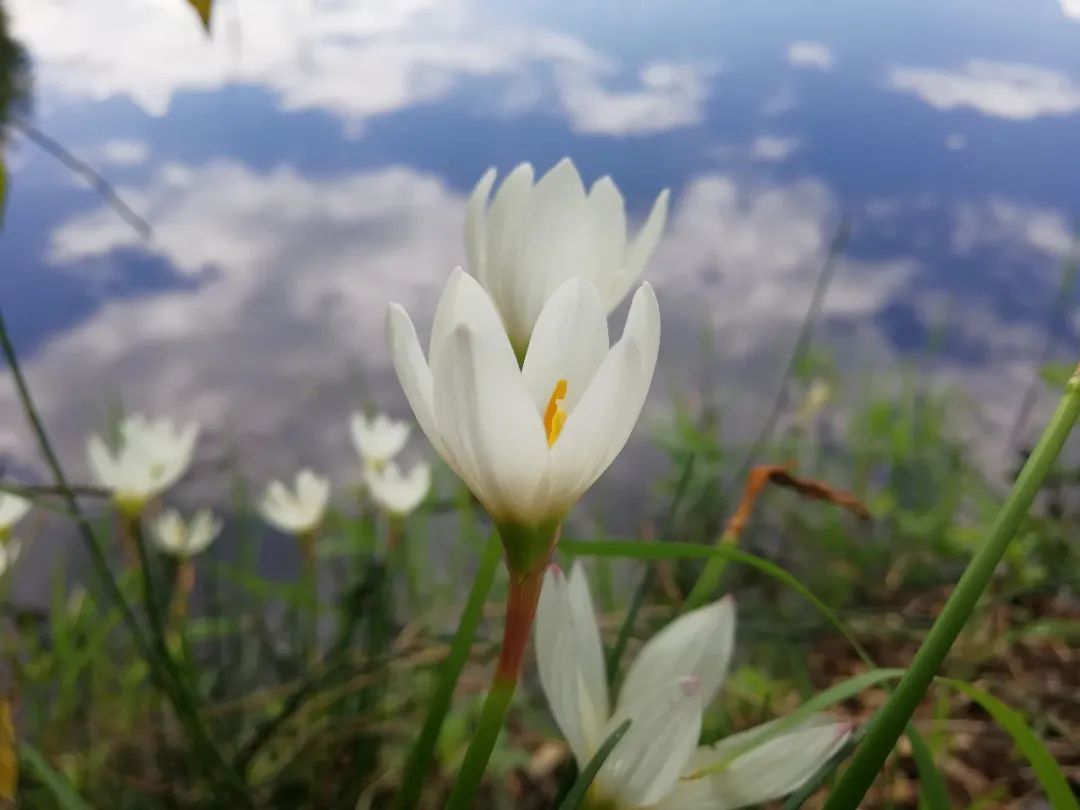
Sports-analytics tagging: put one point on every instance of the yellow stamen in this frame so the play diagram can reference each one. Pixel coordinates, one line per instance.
(554, 416)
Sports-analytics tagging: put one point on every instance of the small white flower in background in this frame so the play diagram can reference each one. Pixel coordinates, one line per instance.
(299, 511)
(181, 539)
(395, 492)
(658, 763)
(379, 439)
(150, 457)
(529, 440)
(532, 238)
(9, 553)
(13, 508)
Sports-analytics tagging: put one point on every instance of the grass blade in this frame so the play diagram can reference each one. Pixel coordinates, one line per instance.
(933, 794)
(416, 767)
(581, 786)
(890, 722)
(57, 784)
(1042, 762)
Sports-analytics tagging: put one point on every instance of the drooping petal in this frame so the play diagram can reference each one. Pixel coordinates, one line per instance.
(488, 424)
(569, 342)
(698, 644)
(772, 770)
(476, 226)
(642, 247)
(412, 370)
(568, 651)
(646, 764)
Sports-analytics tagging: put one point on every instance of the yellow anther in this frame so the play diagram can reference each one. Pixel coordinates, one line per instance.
(554, 416)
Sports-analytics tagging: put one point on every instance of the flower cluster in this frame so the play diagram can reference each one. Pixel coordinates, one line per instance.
(378, 441)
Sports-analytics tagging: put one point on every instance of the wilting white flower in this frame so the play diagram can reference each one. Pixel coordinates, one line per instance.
(297, 512)
(9, 553)
(151, 456)
(528, 441)
(181, 539)
(13, 508)
(532, 238)
(379, 439)
(658, 763)
(398, 493)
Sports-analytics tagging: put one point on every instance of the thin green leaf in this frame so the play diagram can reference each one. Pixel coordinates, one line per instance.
(641, 550)
(578, 792)
(818, 703)
(933, 794)
(1046, 769)
(56, 783)
(416, 766)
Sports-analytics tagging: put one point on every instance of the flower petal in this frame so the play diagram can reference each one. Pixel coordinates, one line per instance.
(570, 661)
(599, 427)
(412, 370)
(569, 342)
(646, 764)
(637, 256)
(507, 221)
(772, 770)
(12, 509)
(697, 644)
(489, 426)
(102, 464)
(464, 301)
(607, 215)
(476, 226)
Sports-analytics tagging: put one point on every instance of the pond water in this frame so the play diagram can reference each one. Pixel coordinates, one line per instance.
(305, 161)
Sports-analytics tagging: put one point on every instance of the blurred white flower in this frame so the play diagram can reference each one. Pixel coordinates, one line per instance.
(395, 492)
(13, 508)
(9, 553)
(379, 439)
(181, 539)
(530, 440)
(300, 511)
(532, 238)
(657, 764)
(150, 457)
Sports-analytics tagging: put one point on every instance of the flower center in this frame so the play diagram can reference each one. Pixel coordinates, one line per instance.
(554, 415)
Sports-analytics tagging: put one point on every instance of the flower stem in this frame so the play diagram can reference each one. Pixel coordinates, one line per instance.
(420, 757)
(889, 723)
(521, 604)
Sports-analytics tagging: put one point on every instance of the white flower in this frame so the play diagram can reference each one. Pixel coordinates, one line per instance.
(150, 458)
(13, 508)
(533, 238)
(300, 512)
(378, 440)
(9, 553)
(527, 441)
(658, 763)
(395, 492)
(181, 539)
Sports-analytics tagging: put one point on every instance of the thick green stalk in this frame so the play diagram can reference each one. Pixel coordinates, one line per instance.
(889, 723)
(416, 767)
(521, 601)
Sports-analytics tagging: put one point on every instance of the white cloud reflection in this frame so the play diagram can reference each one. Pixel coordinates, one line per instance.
(1015, 91)
(773, 148)
(355, 60)
(816, 55)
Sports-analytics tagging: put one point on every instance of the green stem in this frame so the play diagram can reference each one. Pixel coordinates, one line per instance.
(889, 723)
(213, 764)
(416, 767)
(521, 601)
